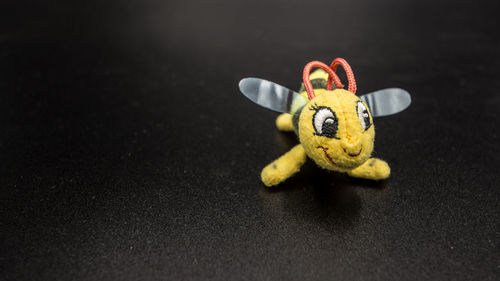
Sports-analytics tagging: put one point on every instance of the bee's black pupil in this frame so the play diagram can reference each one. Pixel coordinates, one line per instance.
(366, 117)
(329, 128)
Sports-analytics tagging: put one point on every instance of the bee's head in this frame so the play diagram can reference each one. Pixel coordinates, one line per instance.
(336, 130)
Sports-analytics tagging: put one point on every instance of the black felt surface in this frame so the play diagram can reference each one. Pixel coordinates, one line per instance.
(127, 152)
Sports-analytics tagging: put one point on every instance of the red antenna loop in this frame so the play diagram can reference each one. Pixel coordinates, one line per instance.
(332, 78)
(348, 71)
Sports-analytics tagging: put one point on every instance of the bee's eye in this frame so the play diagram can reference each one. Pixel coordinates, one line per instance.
(363, 116)
(325, 122)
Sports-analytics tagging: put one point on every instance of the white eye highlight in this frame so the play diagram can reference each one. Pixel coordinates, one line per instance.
(363, 115)
(325, 122)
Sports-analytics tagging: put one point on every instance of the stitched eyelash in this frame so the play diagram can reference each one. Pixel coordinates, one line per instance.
(314, 107)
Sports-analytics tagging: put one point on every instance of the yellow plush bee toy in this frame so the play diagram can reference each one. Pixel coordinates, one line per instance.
(334, 126)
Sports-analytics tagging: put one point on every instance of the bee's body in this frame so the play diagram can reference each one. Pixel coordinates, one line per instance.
(333, 125)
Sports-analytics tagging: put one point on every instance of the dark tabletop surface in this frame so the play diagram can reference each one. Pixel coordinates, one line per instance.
(128, 153)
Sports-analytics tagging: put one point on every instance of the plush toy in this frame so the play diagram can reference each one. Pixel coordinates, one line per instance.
(334, 126)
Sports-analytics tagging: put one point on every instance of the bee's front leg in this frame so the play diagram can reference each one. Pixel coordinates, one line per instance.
(372, 169)
(284, 167)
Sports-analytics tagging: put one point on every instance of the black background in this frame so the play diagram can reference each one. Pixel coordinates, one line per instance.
(128, 153)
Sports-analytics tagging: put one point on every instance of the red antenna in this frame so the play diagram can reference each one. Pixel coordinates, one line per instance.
(332, 77)
(348, 71)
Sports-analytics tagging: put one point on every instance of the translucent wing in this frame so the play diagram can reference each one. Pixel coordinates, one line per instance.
(387, 101)
(271, 95)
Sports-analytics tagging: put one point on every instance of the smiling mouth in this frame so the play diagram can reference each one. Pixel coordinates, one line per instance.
(327, 156)
(353, 155)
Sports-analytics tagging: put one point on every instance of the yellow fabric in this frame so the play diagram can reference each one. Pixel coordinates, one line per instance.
(317, 92)
(352, 138)
(284, 167)
(284, 122)
(318, 74)
(373, 169)
(349, 151)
